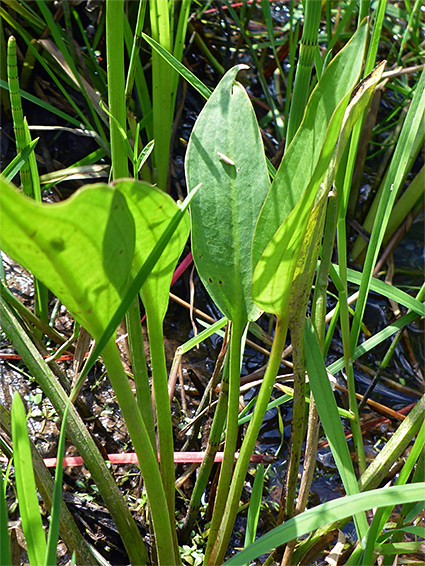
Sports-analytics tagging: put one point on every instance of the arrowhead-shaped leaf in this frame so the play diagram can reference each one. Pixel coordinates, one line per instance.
(226, 154)
(82, 248)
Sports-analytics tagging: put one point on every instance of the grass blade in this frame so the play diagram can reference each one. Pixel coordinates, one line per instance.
(17, 162)
(5, 557)
(331, 422)
(179, 67)
(392, 185)
(25, 486)
(327, 513)
(372, 342)
(254, 506)
(386, 290)
(52, 538)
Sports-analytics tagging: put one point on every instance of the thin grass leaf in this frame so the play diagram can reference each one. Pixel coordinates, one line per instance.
(254, 506)
(372, 342)
(394, 448)
(42, 104)
(25, 486)
(179, 67)
(386, 290)
(330, 419)
(42, 60)
(61, 53)
(5, 557)
(53, 536)
(134, 57)
(383, 514)
(289, 394)
(144, 156)
(209, 331)
(15, 165)
(278, 121)
(408, 134)
(324, 514)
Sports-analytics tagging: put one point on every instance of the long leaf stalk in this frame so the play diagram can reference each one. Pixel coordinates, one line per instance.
(213, 443)
(227, 465)
(286, 509)
(160, 488)
(319, 316)
(231, 510)
(139, 368)
(163, 411)
(148, 460)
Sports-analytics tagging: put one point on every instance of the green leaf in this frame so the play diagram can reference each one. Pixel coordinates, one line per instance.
(311, 149)
(82, 248)
(254, 506)
(179, 67)
(25, 486)
(16, 164)
(226, 154)
(152, 210)
(376, 339)
(329, 416)
(327, 513)
(5, 557)
(135, 286)
(387, 290)
(284, 217)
